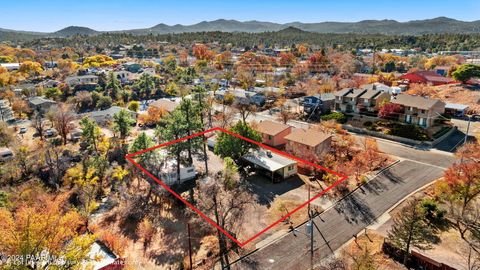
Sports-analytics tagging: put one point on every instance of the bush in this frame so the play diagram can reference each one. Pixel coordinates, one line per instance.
(337, 116)
(368, 124)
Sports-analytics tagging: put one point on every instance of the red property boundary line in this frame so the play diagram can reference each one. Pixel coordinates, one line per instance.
(130, 156)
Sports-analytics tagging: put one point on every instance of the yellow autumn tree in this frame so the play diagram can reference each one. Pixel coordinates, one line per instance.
(98, 60)
(30, 69)
(48, 225)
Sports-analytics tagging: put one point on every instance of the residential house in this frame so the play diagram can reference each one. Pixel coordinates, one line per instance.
(370, 101)
(6, 112)
(419, 110)
(104, 117)
(384, 88)
(273, 165)
(273, 133)
(40, 104)
(426, 76)
(83, 79)
(346, 99)
(308, 143)
(456, 110)
(318, 103)
(132, 67)
(10, 66)
(165, 104)
(242, 96)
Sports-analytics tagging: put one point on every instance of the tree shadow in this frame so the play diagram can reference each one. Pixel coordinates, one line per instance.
(266, 190)
(355, 210)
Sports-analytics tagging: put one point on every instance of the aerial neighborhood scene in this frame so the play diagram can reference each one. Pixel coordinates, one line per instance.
(247, 134)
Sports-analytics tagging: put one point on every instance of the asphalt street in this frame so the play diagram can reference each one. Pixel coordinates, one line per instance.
(337, 225)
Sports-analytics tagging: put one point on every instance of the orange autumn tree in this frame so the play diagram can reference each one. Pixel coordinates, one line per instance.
(48, 225)
(201, 52)
(460, 190)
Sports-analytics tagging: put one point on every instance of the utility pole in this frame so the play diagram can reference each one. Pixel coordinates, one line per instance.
(311, 229)
(190, 246)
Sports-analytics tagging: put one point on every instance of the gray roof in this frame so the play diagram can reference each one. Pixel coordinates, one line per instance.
(423, 103)
(455, 106)
(355, 93)
(343, 92)
(370, 94)
(325, 96)
(109, 112)
(40, 100)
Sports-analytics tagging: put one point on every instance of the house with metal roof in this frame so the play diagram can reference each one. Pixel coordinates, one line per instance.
(272, 164)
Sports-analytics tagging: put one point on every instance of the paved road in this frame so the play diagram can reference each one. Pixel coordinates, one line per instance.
(337, 225)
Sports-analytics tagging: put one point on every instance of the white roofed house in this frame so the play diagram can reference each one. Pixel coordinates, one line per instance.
(10, 66)
(275, 166)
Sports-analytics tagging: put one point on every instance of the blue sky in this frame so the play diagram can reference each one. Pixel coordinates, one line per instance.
(41, 15)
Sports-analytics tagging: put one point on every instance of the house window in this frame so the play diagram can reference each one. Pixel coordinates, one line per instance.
(290, 168)
(422, 111)
(422, 121)
(270, 137)
(408, 118)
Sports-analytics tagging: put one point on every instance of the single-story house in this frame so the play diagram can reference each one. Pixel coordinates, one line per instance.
(105, 116)
(318, 103)
(419, 110)
(273, 133)
(40, 104)
(165, 104)
(457, 110)
(426, 76)
(84, 79)
(242, 96)
(273, 165)
(308, 143)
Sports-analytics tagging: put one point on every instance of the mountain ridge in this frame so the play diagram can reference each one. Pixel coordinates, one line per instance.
(385, 26)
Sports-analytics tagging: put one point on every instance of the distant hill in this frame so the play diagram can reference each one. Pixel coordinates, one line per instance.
(389, 27)
(75, 30)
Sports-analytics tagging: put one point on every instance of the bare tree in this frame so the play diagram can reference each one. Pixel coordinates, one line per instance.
(226, 201)
(38, 124)
(245, 110)
(62, 117)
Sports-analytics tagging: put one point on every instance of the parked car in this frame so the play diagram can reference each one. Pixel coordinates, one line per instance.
(22, 130)
(6, 154)
(51, 133)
